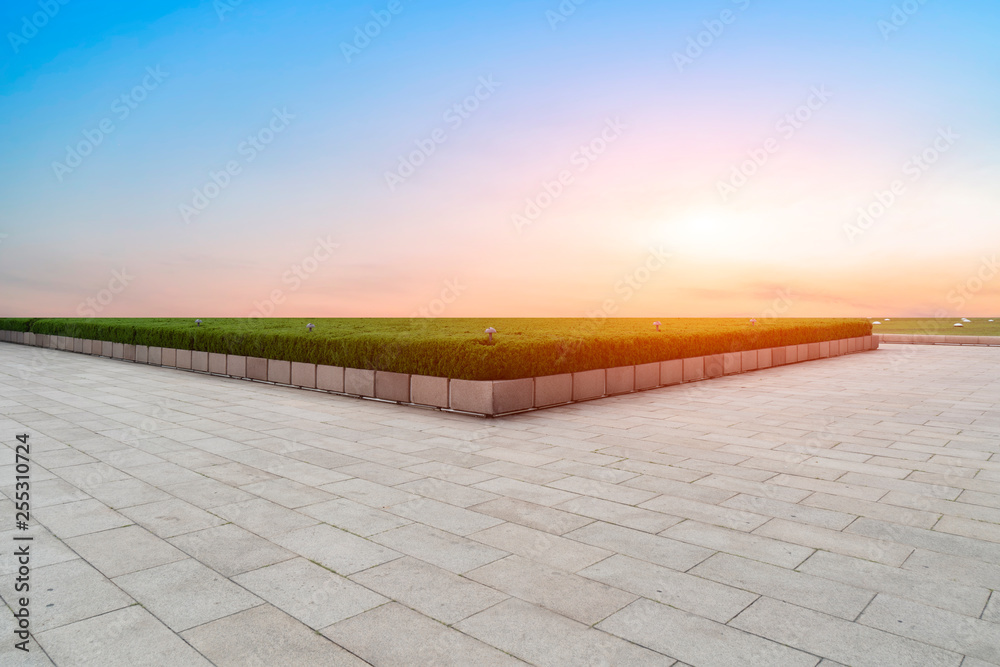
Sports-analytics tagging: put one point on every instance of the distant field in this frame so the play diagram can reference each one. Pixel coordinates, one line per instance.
(979, 326)
(457, 347)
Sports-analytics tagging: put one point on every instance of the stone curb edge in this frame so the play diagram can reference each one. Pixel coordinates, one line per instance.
(915, 339)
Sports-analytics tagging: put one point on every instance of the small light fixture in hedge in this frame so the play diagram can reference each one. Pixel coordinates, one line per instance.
(197, 323)
(310, 326)
(753, 321)
(489, 332)
(657, 325)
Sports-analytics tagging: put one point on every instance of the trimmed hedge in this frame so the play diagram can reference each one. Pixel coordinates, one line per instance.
(457, 348)
(16, 323)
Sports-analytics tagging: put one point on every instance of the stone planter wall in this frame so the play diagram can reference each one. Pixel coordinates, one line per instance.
(487, 397)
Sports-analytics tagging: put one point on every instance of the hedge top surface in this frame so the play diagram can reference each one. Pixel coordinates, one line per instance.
(457, 347)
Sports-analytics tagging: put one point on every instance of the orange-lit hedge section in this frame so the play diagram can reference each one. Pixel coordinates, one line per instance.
(456, 347)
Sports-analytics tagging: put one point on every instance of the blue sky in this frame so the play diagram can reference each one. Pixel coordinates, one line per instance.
(224, 69)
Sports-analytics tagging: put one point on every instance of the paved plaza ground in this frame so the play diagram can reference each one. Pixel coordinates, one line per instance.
(842, 511)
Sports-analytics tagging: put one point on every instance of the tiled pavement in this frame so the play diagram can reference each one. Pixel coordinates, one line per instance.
(844, 511)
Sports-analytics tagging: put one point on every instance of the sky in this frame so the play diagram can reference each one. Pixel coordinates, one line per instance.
(722, 158)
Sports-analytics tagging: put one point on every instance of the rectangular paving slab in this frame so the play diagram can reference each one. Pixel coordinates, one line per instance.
(309, 592)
